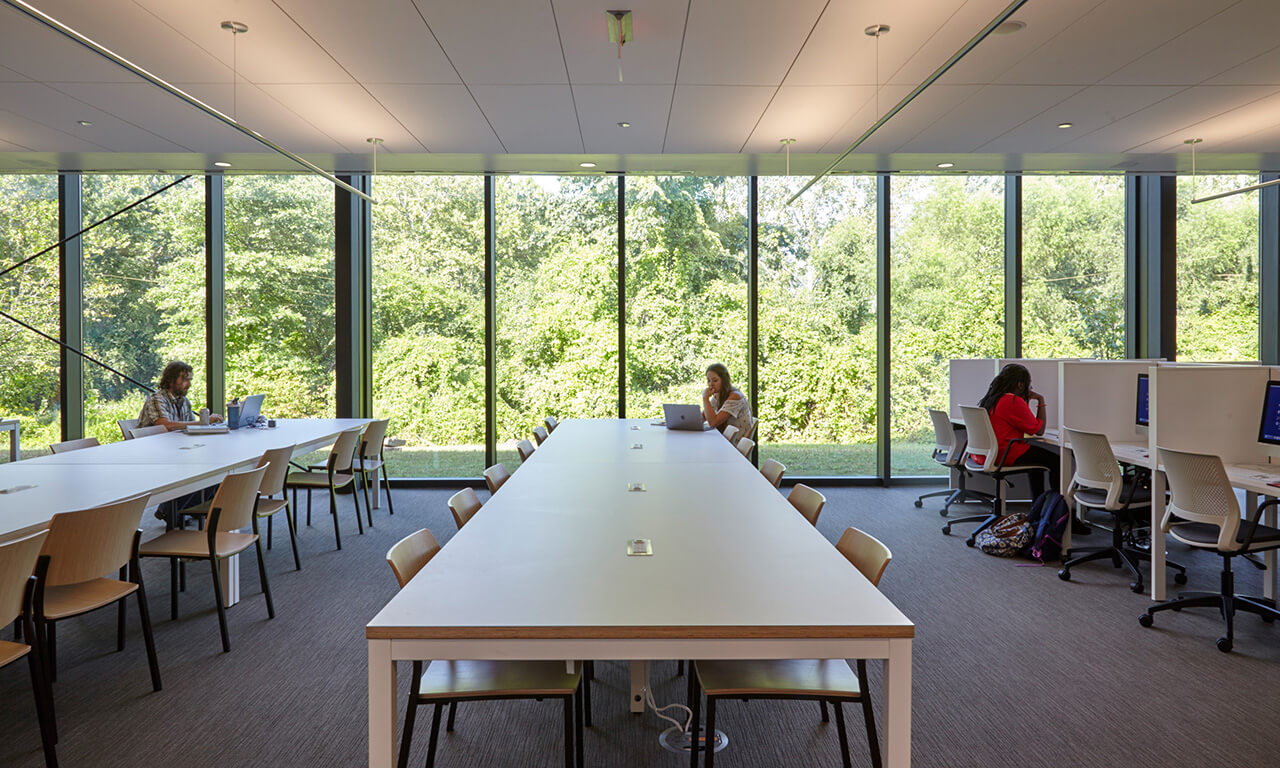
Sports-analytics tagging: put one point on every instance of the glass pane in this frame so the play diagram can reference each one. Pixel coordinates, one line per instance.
(280, 293)
(1217, 271)
(29, 386)
(557, 300)
(947, 298)
(817, 325)
(1073, 266)
(686, 287)
(144, 293)
(428, 323)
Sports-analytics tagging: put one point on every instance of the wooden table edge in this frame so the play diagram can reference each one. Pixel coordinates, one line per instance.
(640, 633)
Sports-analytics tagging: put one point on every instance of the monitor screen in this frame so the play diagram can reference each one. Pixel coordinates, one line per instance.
(1269, 430)
(1143, 400)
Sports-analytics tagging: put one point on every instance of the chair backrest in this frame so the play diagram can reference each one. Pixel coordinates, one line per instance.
(1199, 491)
(981, 438)
(525, 449)
(343, 452)
(276, 461)
(1096, 465)
(730, 433)
(73, 445)
(772, 470)
(409, 554)
(495, 476)
(464, 504)
(125, 425)
(154, 429)
(867, 553)
(237, 498)
(754, 423)
(540, 434)
(372, 439)
(807, 501)
(551, 423)
(745, 446)
(17, 561)
(946, 448)
(91, 543)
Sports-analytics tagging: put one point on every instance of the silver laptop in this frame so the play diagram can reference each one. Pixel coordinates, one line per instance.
(250, 410)
(686, 417)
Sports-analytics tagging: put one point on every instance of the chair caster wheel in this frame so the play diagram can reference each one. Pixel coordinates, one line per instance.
(946, 530)
(1179, 578)
(1224, 645)
(919, 503)
(1064, 574)
(969, 542)
(1136, 586)
(943, 512)
(1145, 620)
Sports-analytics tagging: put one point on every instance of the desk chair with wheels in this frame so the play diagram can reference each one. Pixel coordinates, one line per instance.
(983, 444)
(1203, 512)
(948, 450)
(17, 585)
(1100, 483)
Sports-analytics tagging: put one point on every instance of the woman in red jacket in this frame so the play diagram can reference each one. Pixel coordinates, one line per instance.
(1007, 401)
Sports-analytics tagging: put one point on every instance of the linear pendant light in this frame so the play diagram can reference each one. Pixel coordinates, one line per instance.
(106, 53)
(930, 80)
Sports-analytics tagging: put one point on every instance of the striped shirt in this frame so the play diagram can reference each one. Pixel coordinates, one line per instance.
(162, 404)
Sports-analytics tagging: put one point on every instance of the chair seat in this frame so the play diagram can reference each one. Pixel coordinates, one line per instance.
(10, 652)
(972, 467)
(480, 679)
(1096, 498)
(1205, 535)
(268, 507)
(826, 678)
(196, 544)
(316, 480)
(368, 465)
(75, 599)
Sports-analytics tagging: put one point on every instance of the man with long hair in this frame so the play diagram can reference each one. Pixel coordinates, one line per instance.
(168, 406)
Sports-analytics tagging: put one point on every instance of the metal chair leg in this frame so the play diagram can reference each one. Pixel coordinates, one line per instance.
(148, 637)
(435, 736)
(844, 736)
(262, 575)
(711, 732)
(222, 610)
(293, 539)
(391, 509)
(410, 716)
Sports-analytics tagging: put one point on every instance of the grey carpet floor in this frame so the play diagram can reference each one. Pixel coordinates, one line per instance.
(1012, 667)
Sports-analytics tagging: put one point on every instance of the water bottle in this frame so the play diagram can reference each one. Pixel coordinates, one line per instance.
(233, 415)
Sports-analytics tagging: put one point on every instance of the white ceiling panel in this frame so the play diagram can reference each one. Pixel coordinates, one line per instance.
(744, 42)
(808, 114)
(1221, 130)
(708, 118)
(346, 112)
(917, 116)
(954, 25)
(259, 111)
(1263, 69)
(37, 137)
(9, 76)
(602, 107)
(970, 124)
(649, 59)
(1088, 110)
(531, 119)
(1169, 116)
(35, 51)
(444, 118)
(60, 111)
(498, 42)
(385, 41)
(993, 56)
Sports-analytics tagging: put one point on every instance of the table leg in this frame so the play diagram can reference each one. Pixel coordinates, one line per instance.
(1065, 475)
(639, 681)
(1157, 535)
(1269, 558)
(897, 704)
(382, 705)
(15, 443)
(229, 570)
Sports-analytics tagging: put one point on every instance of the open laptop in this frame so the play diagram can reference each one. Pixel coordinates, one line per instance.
(686, 417)
(250, 410)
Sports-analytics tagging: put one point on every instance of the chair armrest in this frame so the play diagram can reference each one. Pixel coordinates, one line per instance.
(1008, 446)
(1252, 522)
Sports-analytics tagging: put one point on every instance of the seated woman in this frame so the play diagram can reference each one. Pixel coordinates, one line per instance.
(724, 404)
(1007, 401)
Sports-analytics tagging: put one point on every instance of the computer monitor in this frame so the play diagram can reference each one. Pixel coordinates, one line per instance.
(1144, 400)
(1269, 429)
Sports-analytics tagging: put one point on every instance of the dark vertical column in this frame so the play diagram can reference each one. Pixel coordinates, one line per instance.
(1013, 265)
(753, 299)
(490, 325)
(1132, 272)
(884, 402)
(1269, 271)
(71, 309)
(215, 321)
(353, 236)
(1156, 307)
(622, 296)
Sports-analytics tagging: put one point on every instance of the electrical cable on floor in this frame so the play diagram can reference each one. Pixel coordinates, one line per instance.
(648, 699)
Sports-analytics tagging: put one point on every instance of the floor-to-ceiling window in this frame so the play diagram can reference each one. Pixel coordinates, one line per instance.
(557, 302)
(428, 323)
(817, 325)
(1073, 266)
(144, 292)
(29, 386)
(946, 299)
(686, 291)
(280, 293)
(1217, 270)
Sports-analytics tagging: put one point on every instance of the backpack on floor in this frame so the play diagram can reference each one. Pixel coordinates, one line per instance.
(1048, 519)
(1007, 537)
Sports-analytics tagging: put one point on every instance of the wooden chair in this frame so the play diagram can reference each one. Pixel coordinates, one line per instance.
(338, 473)
(551, 423)
(17, 587)
(540, 435)
(772, 469)
(464, 505)
(73, 445)
(731, 433)
(81, 547)
(745, 446)
(827, 681)
(232, 508)
(369, 459)
(451, 682)
(126, 426)
(807, 502)
(525, 449)
(154, 429)
(495, 476)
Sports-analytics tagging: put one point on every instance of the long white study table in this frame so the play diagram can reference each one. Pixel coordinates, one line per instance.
(542, 572)
(165, 466)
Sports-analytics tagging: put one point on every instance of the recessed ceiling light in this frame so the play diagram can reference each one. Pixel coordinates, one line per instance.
(586, 165)
(624, 124)
(85, 123)
(946, 165)
(1009, 28)
(1065, 125)
(221, 164)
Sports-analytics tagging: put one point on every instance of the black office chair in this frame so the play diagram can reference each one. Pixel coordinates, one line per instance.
(948, 450)
(983, 444)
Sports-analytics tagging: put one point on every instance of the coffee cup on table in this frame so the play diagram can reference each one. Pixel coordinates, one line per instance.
(204, 416)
